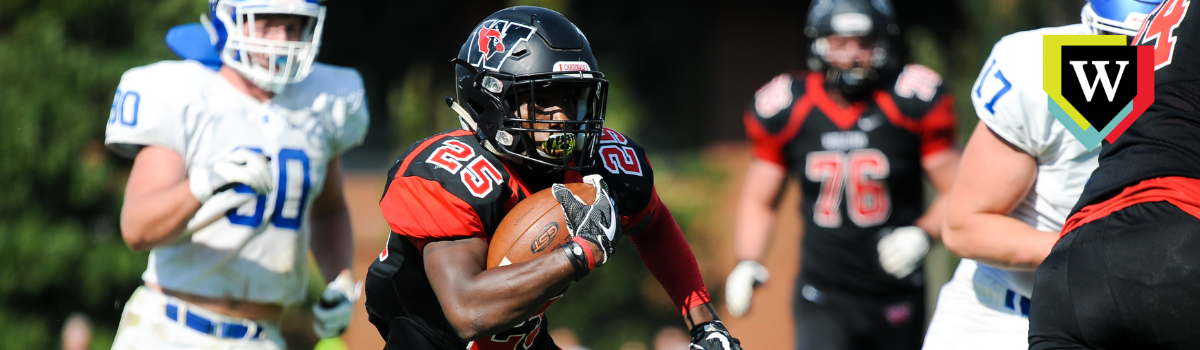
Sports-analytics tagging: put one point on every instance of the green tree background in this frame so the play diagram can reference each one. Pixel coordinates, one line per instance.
(60, 189)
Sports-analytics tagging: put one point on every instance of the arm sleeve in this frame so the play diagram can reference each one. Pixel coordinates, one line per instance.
(667, 255)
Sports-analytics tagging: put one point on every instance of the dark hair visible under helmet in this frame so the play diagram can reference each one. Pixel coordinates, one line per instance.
(521, 50)
(865, 18)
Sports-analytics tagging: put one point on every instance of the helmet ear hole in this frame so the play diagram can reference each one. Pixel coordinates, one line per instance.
(474, 106)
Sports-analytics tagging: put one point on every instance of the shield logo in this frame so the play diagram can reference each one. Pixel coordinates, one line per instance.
(1096, 85)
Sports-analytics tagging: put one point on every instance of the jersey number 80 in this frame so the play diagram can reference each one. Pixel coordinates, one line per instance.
(861, 173)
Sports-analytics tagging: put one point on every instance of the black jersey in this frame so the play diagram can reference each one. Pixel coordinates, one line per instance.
(1164, 140)
(450, 187)
(859, 167)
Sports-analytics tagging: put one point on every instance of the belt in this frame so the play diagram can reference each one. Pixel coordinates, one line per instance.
(229, 330)
(1011, 301)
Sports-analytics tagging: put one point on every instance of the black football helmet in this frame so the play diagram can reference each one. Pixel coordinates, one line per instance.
(519, 51)
(865, 18)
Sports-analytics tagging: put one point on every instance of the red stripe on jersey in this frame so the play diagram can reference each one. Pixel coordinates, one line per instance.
(769, 147)
(888, 106)
(844, 118)
(938, 127)
(423, 210)
(1182, 192)
(667, 255)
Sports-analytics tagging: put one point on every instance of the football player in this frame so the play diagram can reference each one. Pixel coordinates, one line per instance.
(1021, 173)
(858, 133)
(531, 102)
(235, 176)
(1123, 273)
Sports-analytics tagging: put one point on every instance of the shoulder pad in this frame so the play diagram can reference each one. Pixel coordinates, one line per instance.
(337, 95)
(626, 169)
(149, 105)
(917, 89)
(773, 102)
(454, 178)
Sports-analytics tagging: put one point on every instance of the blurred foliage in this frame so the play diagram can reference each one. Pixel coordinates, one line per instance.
(60, 61)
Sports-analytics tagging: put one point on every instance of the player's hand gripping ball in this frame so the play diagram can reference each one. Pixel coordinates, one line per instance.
(596, 222)
(534, 227)
(331, 314)
(713, 336)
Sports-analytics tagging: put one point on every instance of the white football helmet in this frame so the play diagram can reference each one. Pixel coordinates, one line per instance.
(270, 64)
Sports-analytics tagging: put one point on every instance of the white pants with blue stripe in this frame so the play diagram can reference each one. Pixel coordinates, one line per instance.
(145, 325)
(976, 310)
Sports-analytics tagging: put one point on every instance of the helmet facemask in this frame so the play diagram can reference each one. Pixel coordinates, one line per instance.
(870, 24)
(550, 120)
(269, 63)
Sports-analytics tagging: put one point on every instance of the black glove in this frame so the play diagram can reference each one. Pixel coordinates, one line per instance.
(713, 336)
(596, 222)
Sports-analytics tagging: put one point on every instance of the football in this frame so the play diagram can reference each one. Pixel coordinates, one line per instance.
(534, 227)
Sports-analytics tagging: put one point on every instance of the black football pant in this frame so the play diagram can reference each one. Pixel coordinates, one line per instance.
(1128, 281)
(831, 320)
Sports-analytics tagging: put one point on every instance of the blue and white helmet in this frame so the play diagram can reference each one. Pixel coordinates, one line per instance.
(1117, 16)
(269, 64)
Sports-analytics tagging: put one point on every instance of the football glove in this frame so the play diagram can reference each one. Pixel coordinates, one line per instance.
(597, 222)
(713, 336)
(331, 315)
(902, 249)
(242, 166)
(739, 287)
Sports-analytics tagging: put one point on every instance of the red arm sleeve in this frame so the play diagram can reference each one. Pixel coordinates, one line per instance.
(669, 258)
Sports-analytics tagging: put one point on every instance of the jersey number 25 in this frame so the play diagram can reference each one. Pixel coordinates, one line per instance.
(860, 172)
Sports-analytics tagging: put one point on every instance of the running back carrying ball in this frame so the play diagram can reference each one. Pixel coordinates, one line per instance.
(534, 227)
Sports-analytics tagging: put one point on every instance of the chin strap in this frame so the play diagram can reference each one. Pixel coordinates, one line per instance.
(467, 123)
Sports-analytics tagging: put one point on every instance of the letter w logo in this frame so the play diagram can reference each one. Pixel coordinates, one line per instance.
(1110, 88)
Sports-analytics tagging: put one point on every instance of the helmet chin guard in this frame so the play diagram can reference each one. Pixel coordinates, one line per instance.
(515, 56)
(269, 64)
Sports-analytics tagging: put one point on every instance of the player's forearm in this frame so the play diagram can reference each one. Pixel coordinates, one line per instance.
(333, 242)
(752, 230)
(497, 299)
(998, 240)
(153, 219)
(931, 221)
(700, 314)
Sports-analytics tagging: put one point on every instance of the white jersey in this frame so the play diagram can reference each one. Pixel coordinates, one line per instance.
(258, 252)
(984, 307)
(1009, 98)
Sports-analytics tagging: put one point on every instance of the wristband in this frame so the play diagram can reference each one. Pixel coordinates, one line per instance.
(577, 255)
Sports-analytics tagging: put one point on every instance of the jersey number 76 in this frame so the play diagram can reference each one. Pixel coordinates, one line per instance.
(860, 172)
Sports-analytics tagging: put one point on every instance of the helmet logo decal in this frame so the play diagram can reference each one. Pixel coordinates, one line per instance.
(495, 41)
(489, 39)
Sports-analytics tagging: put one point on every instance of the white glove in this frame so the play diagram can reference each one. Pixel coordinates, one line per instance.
(242, 166)
(739, 287)
(331, 315)
(902, 249)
